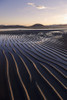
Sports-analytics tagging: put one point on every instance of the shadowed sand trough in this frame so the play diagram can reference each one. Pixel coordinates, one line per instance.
(33, 65)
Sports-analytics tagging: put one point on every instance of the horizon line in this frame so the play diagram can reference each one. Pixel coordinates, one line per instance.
(30, 25)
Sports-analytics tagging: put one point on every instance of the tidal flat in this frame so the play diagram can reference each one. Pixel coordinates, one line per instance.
(33, 65)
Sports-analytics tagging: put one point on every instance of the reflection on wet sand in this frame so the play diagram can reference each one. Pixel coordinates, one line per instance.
(34, 65)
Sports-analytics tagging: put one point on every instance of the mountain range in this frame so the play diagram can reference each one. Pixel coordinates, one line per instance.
(35, 26)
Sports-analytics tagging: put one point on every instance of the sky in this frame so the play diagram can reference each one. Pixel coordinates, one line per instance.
(28, 12)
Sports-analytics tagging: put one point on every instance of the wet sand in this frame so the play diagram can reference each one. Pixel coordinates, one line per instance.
(33, 65)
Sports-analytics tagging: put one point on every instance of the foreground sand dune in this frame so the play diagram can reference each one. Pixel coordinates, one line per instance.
(33, 65)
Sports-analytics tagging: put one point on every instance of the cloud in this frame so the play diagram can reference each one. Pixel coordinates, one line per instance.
(31, 4)
(41, 7)
(38, 7)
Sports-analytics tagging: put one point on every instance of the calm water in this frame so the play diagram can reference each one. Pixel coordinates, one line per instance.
(12, 29)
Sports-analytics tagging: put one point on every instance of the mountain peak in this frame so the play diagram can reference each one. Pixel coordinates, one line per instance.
(37, 26)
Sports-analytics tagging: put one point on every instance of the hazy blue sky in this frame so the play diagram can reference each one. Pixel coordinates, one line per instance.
(28, 12)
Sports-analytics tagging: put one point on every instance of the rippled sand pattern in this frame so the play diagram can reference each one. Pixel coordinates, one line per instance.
(33, 66)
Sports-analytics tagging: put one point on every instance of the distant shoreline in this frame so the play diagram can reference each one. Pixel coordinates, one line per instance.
(22, 29)
(35, 26)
